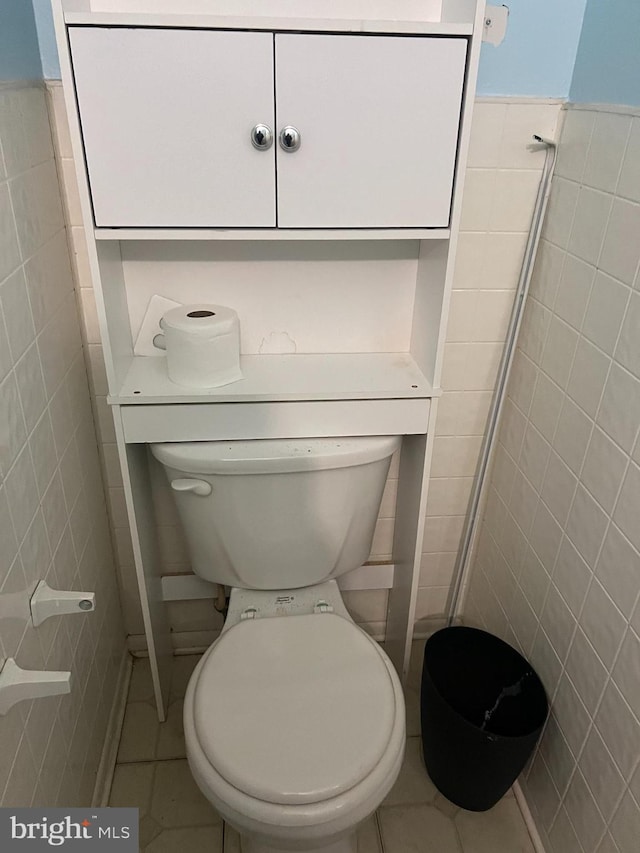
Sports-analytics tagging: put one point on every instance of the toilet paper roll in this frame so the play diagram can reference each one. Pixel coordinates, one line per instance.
(203, 345)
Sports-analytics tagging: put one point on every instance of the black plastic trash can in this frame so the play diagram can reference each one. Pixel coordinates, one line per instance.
(483, 709)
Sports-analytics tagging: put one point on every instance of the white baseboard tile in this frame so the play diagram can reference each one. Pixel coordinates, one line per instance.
(424, 628)
(107, 765)
(137, 645)
(536, 840)
(192, 642)
(376, 630)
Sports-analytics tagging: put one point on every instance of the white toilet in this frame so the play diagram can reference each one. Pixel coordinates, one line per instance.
(294, 718)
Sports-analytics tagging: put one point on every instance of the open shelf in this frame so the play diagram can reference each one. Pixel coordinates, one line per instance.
(273, 378)
(272, 234)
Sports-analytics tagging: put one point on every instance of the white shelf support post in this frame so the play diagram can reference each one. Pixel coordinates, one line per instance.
(18, 684)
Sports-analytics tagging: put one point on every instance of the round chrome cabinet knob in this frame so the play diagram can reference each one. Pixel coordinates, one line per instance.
(290, 138)
(262, 137)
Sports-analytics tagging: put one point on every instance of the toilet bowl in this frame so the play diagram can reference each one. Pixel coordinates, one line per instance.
(295, 724)
(294, 718)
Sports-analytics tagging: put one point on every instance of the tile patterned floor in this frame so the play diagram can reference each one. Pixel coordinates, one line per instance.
(152, 775)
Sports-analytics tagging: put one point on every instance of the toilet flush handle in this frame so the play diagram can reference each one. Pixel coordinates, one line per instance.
(198, 487)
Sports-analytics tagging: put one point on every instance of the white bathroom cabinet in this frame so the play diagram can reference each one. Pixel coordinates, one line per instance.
(165, 118)
(338, 257)
(378, 118)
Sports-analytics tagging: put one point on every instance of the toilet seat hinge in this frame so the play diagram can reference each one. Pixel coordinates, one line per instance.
(323, 607)
(249, 613)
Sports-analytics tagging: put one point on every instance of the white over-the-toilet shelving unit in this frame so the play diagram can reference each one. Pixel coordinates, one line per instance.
(338, 256)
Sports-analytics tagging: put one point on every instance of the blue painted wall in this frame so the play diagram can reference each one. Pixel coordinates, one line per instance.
(19, 52)
(608, 63)
(47, 38)
(537, 57)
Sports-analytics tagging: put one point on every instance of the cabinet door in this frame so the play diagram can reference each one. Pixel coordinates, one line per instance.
(378, 118)
(166, 119)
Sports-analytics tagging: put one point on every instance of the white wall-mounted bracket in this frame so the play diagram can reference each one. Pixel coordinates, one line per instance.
(47, 602)
(496, 19)
(18, 684)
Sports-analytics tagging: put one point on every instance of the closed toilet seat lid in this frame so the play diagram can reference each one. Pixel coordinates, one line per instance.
(294, 709)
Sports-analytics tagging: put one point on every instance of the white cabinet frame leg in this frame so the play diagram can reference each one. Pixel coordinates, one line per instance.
(137, 490)
(411, 508)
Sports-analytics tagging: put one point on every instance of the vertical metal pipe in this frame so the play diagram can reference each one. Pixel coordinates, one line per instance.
(504, 370)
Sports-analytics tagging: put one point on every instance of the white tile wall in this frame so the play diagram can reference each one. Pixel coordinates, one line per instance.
(53, 520)
(563, 517)
(502, 183)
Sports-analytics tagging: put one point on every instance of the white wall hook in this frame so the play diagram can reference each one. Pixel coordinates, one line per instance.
(17, 684)
(495, 24)
(46, 602)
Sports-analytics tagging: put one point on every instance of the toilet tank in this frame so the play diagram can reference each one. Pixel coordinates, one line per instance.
(277, 514)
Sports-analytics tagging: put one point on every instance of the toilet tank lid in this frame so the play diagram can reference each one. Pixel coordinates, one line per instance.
(273, 456)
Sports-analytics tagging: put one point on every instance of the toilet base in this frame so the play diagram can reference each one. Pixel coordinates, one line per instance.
(329, 825)
(348, 844)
